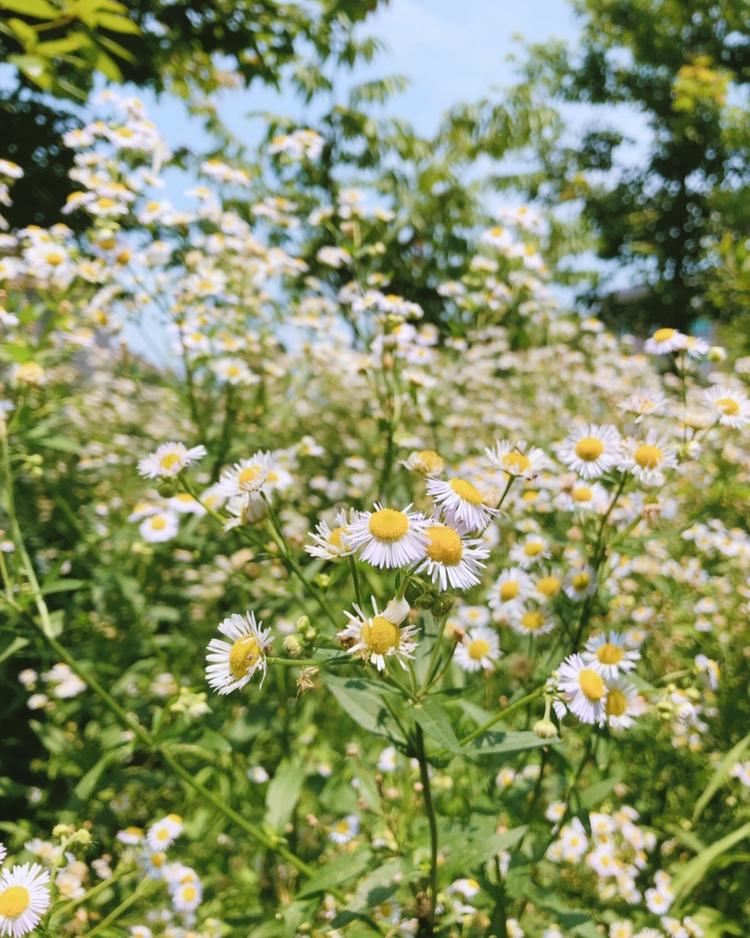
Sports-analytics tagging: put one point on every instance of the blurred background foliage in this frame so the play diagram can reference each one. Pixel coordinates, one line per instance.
(656, 238)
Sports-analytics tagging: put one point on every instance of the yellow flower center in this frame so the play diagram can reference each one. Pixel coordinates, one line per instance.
(380, 635)
(728, 406)
(509, 590)
(609, 653)
(14, 901)
(532, 621)
(387, 524)
(548, 586)
(163, 834)
(582, 494)
(648, 456)
(335, 538)
(248, 476)
(189, 893)
(664, 335)
(429, 461)
(158, 523)
(105, 202)
(478, 648)
(591, 684)
(617, 703)
(532, 548)
(175, 818)
(243, 655)
(465, 490)
(54, 259)
(589, 448)
(581, 580)
(157, 859)
(444, 545)
(516, 463)
(169, 460)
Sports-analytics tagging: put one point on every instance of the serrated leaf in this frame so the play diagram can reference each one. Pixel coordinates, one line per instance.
(436, 723)
(336, 872)
(283, 793)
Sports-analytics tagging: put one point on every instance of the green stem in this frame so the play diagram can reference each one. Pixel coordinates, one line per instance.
(122, 908)
(355, 579)
(424, 775)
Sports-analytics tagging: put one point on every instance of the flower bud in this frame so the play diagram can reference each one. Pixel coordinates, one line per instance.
(717, 354)
(292, 646)
(424, 600)
(545, 729)
(168, 487)
(396, 611)
(443, 605)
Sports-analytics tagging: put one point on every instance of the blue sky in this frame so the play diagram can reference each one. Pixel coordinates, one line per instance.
(448, 51)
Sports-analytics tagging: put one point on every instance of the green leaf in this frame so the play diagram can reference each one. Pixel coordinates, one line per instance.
(107, 66)
(473, 847)
(336, 872)
(505, 744)
(720, 775)
(62, 586)
(118, 24)
(39, 9)
(435, 721)
(691, 873)
(86, 786)
(283, 793)
(25, 34)
(595, 794)
(362, 700)
(14, 645)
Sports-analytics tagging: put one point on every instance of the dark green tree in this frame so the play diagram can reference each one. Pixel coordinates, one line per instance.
(685, 68)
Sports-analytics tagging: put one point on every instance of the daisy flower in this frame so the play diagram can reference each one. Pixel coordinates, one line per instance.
(583, 497)
(130, 836)
(647, 459)
(330, 543)
(517, 460)
(154, 863)
(169, 460)
(3, 852)
(610, 654)
(185, 504)
(462, 503)
(547, 587)
(345, 830)
(388, 537)
(729, 406)
(250, 476)
(24, 898)
(186, 897)
(664, 341)
(583, 689)
(508, 592)
(478, 651)
(531, 622)
(230, 665)
(425, 461)
(379, 636)
(644, 403)
(531, 550)
(452, 561)
(591, 450)
(162, 526)
(163, 833)
(580, 583)
(623, 705)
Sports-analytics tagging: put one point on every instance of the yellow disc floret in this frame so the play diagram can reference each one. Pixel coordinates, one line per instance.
(478, 648)
(589, 448)
(14, 901)
(617, 703)
(648, 456)
(548, 586)
(728, 406)
(591, 684)
(444, 545)
(467, 491)
(387, 524)
(532, 620)
(609, 653)
(380, 635)
(509, 590)
(664, 335)
(516, 463)
(243, 655)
